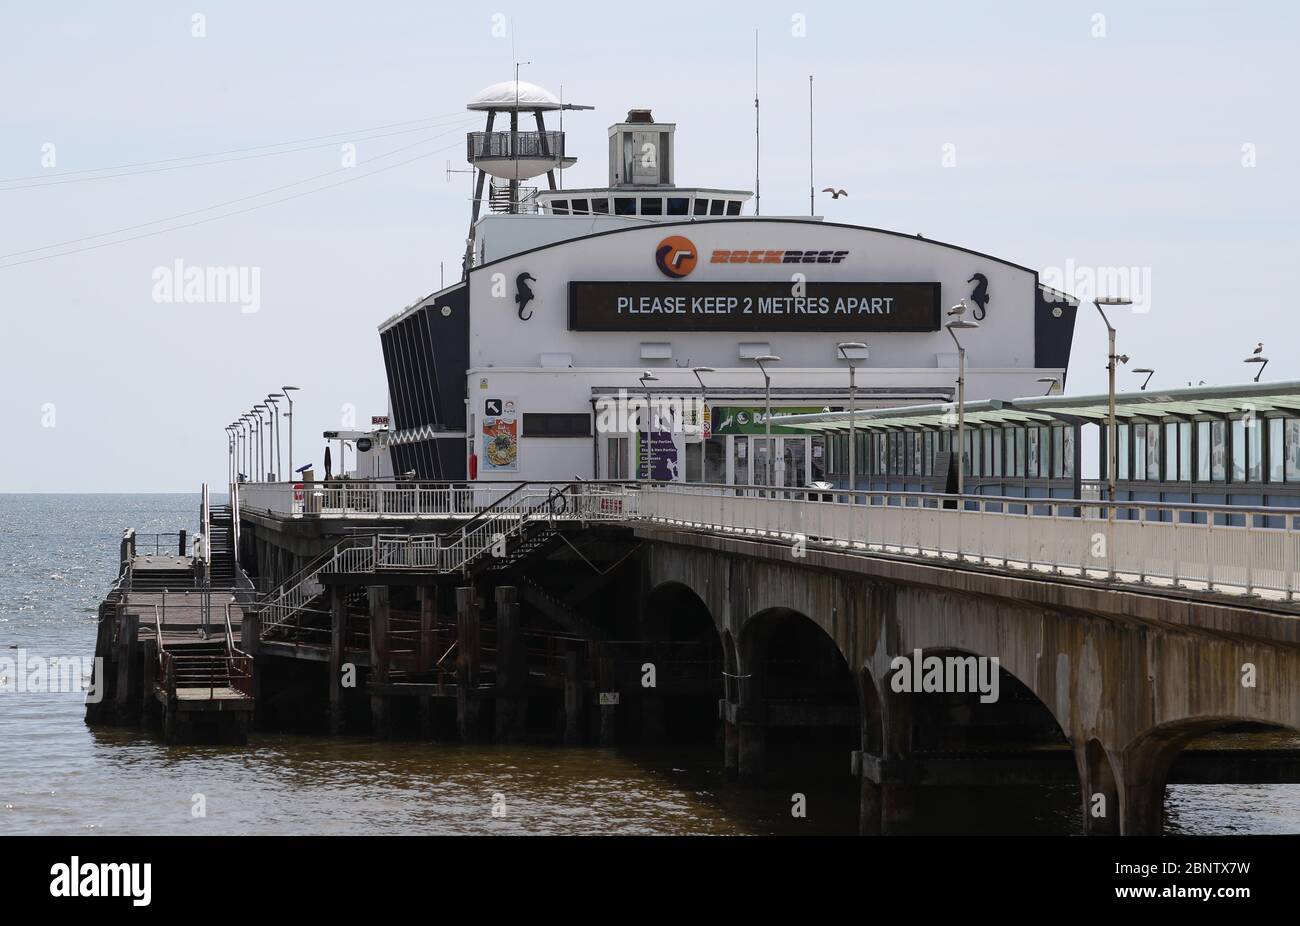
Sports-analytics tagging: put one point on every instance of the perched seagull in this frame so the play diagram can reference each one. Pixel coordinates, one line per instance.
(835, 194)
(1259, 348)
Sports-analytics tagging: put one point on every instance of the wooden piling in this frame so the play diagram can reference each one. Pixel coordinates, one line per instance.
(467, 663)
(381, 719)
(512, 669)
(338, 650)
(573, 698)
(128, 667)
(607, 685)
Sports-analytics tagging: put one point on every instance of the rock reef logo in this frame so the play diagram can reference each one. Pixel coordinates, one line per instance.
(676, 256)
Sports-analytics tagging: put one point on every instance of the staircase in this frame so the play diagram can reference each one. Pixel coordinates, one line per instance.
(221, 548)
(200, 665)
(518, 523)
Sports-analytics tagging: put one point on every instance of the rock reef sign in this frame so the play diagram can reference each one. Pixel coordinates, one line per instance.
(664, 306)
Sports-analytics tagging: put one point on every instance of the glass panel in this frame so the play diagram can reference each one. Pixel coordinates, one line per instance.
(1238, 450)
(1139, 452)
(996, 443)
(1218, 451)
(581, 207)
(818, 462)
(928, 468)
(1067, 453)
(715, 460)
(1293, 450)
(559, 207)
(600, 206)
(1153, 452)
(1058, 450)
(764, 464)
(918, 453)
(701, 207)
(652, 205)
(1185, 451)
(794, 452)
(1202, 451)
(624, 205)
(677, 205)
(1171, 451)
(694, 462)
(741, 473)
(1255, 450)
(1275, 450)
(1031, 454)
(733, 207)
(717, 206)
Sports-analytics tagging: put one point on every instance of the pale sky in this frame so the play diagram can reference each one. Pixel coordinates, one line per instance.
(1071, 148)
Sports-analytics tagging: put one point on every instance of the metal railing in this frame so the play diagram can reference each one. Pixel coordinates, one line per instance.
(517, 508)
(527, 145)
(1224, 548)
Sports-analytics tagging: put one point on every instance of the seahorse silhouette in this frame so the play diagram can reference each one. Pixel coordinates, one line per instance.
(523, 294)
(980, 295)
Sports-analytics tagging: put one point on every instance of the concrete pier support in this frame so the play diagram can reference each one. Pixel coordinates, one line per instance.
(1099, 791)
(467, 663)
(870, 801)
(730, 739)
(338, 655)
(897, 807)
(381, 718)
(512, 669)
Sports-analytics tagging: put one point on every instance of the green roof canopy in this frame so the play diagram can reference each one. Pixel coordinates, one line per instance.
(1154, 406)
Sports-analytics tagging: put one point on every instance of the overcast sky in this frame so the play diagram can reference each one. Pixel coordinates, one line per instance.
(1084, 134)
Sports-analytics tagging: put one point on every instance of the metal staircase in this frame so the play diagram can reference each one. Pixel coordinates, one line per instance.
(514, 528)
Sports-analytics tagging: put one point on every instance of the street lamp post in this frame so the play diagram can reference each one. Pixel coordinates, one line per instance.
(704, 410)
(1052, 383)
(261, 442)
(1112, 449)
(649, 377)
(957, 323)
(274, 398)
(288, 397)
(1148, 371)
(230, 454)
(767, 409)
(844, 349)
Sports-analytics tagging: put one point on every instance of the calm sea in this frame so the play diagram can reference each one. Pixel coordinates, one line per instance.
(58, 555)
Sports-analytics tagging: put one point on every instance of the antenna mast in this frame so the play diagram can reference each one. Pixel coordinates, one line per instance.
(758, 197)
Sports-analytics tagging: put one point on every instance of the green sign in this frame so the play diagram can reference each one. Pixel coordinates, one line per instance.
(748, 419)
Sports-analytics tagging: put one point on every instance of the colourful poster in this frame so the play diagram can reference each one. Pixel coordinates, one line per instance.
(658, 463)
(500, 431)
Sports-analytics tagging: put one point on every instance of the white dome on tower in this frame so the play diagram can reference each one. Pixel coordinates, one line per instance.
(510, 94)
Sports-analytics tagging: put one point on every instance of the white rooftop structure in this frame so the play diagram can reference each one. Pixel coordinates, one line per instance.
(510, 95)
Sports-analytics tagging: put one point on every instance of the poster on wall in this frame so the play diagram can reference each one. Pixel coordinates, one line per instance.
(500, 431)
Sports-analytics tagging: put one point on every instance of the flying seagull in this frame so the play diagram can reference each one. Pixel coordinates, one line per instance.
(835, 194)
